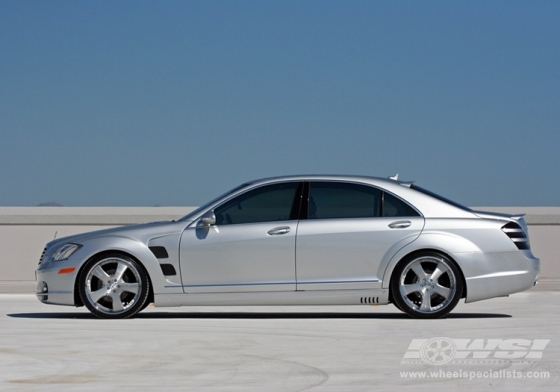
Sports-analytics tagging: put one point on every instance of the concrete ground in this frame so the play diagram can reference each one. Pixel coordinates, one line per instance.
(278, 348)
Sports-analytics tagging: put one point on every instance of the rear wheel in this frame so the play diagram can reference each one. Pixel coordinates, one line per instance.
(427, 285)
(113, 286)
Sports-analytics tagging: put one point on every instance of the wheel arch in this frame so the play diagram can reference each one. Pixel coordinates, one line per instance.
(413, 253)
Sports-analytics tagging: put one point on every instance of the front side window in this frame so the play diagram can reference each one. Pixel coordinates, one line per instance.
(264, 204)
(333, 200)
(197, 211)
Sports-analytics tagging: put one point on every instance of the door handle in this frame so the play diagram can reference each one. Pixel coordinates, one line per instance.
(400, 224)
(279, 230)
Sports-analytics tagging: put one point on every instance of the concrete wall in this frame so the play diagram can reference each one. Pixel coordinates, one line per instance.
(24, 231)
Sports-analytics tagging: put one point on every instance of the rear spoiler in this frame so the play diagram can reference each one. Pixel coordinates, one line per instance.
(519, 218)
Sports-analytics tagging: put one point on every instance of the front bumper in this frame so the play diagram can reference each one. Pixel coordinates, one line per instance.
(54, 287)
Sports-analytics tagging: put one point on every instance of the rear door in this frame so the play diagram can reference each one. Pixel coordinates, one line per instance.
(349, 229)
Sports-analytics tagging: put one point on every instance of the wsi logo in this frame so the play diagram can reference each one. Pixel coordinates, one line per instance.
(439, 351)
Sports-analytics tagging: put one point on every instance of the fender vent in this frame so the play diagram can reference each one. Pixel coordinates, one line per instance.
(517, 235)
(369, 300)
(168, 269)
(159, 251)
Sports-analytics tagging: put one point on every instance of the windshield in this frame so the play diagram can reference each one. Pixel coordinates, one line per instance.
(194, 213)
(441, 198)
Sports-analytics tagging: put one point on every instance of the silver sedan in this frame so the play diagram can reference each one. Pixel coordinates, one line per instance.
(299, 240)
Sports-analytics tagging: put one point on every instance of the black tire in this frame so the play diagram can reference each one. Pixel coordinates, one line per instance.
(426, 285)
(113, 286)
(146, 304)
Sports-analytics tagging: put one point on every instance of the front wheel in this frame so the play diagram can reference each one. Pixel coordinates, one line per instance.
(427, 285)
(113, 286)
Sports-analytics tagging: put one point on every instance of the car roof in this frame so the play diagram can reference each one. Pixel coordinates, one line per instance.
(331, 177)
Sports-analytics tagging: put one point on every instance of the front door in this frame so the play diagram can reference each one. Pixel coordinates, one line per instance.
(251, 247)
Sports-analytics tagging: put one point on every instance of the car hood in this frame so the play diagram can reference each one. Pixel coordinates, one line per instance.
(141, 232)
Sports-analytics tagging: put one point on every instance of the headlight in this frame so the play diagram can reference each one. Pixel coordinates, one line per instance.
(65, 252)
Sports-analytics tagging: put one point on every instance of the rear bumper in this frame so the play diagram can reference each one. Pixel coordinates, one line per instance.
(497, 274)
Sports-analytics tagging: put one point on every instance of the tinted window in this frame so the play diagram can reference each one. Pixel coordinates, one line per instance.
(264, 204)
(192, 214)
(331, 200)
(396, 207)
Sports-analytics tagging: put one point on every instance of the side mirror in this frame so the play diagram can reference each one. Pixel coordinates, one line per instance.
(208, 219)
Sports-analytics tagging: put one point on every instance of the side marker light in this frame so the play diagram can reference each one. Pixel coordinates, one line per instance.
(66, 270)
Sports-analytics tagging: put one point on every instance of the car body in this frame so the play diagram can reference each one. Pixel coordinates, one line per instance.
(298, 240)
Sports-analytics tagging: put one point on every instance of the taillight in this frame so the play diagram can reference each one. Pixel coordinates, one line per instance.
(517, 235)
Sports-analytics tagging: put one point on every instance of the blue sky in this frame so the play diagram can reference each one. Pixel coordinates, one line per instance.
(171, 103)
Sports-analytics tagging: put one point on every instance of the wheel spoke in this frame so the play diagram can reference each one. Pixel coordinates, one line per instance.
(98, 294)
(117, 303)
(411, 288)
(129, 287)
(426, 302)
(121, 269)
(100, 274)
(419, 271)
(440, 270)
(443, 291)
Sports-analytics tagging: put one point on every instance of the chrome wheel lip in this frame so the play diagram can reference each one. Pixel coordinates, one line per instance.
(113, 285)
(427, 284)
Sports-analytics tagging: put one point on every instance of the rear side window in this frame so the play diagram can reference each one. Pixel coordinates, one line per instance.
(337, 200)
(332, 200)
(396, 207)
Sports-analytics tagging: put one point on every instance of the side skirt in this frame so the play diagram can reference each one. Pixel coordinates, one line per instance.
(334, 297)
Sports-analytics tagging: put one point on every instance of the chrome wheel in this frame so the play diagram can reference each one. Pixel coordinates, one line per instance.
(428, 285)
(114, 286)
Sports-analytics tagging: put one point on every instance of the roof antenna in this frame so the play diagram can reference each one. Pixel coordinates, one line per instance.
(55, 235)
(395, 177)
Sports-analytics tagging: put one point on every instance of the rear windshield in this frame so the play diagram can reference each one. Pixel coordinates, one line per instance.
(436, 196)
